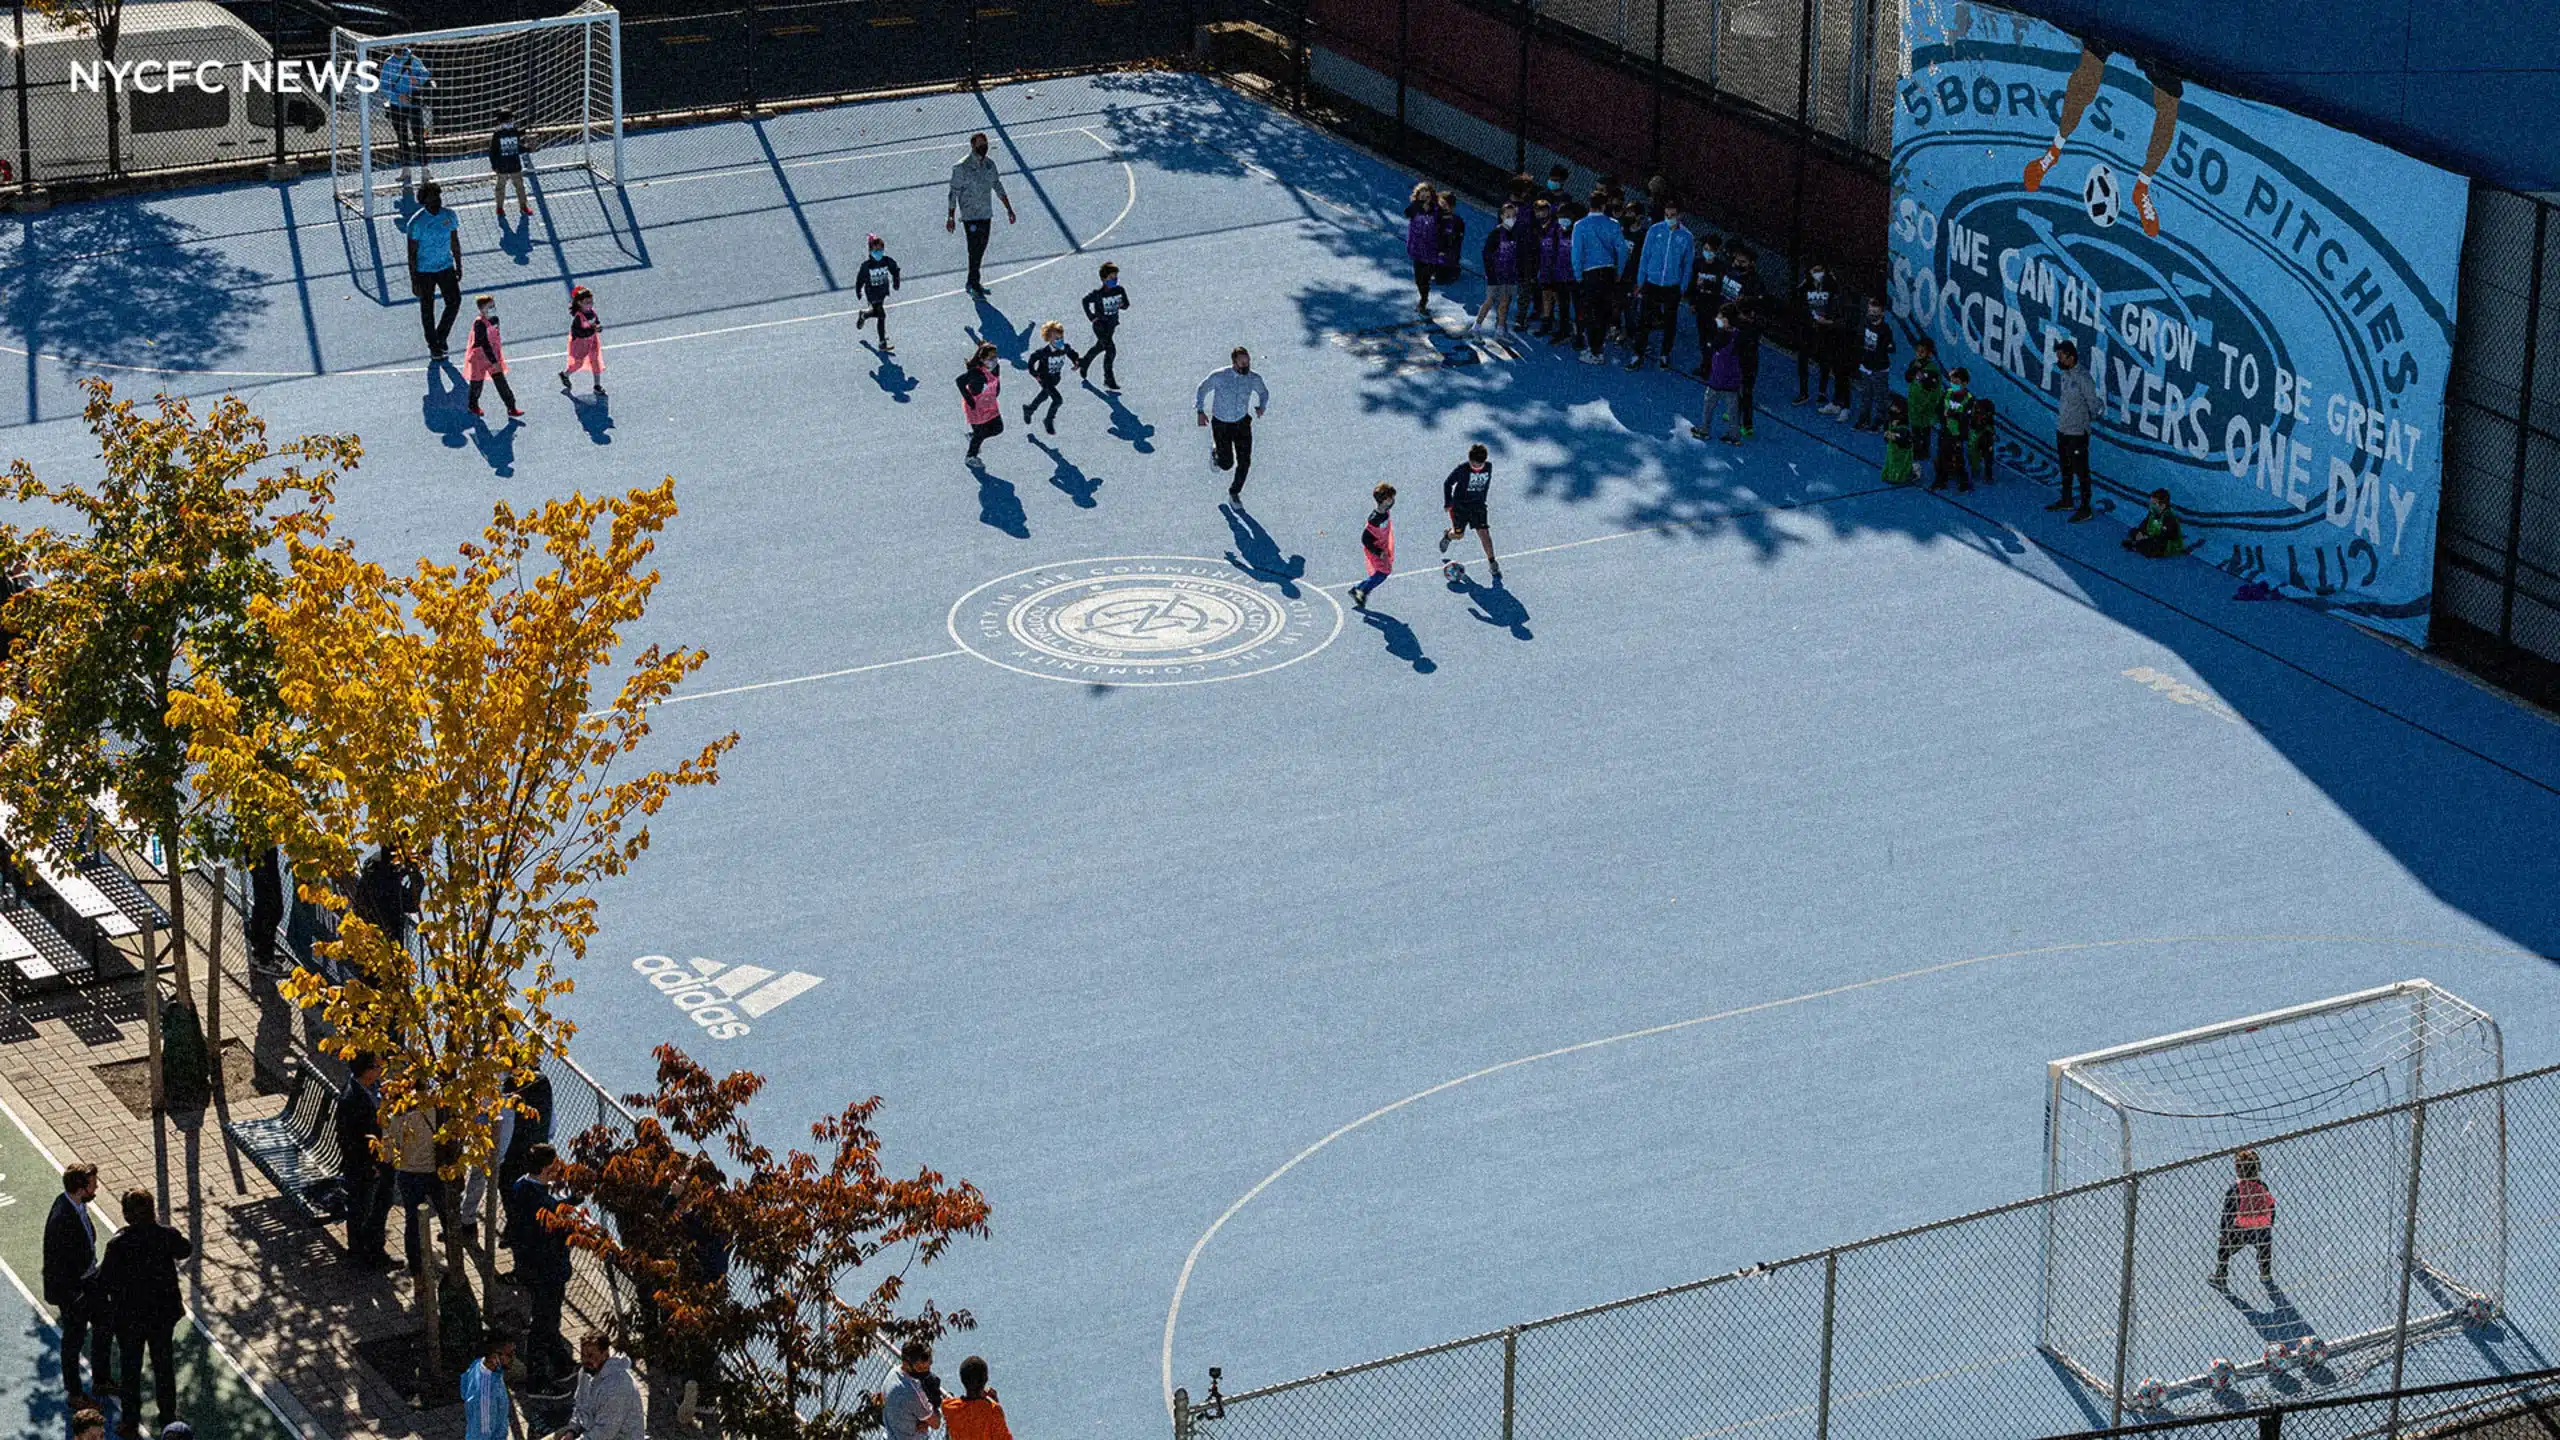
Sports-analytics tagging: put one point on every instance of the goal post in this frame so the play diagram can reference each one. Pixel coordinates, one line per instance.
(2380, 1192)
(439, 94)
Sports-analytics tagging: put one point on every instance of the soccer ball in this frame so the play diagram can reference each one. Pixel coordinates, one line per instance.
(2220, 1373)
(1453, 572)
(2313, 1350)
(2279, 1354)
(2098, 193)
(2151, 1394)
(2479, 1311)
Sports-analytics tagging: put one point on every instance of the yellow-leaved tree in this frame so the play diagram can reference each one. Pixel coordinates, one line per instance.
(467, 715)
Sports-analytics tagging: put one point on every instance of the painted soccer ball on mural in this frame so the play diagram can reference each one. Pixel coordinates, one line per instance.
(2098, 192)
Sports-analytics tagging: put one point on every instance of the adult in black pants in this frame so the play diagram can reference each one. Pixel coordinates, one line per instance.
(1743, 288)
(1103, 306)
(435, 265)
(138, 1277)
(366, 1178)
(975, 185)
(2076, 410)
(1227, 402)
(542, 1264)
(70, 1256)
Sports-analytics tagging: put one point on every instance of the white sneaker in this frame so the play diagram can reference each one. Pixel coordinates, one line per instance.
(1590, 359)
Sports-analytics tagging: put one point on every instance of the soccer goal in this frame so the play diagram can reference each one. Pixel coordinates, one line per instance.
(2389, 1217)
(440, 93)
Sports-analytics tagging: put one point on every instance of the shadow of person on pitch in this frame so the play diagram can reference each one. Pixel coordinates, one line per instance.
(497, 446)
(595, 416)
(996, 328)
(2278, 1320)
(443, 408)
(999, 507)
(1068, 476)
(1125, 424)
(1258, 555)
(1494, 605)
(891, 377)
(516, 240)
(1402, 643)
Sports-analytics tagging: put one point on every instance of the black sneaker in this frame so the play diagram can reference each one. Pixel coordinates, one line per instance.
(2083, 513)
(1497, 571)
(2062, 504)
(1359, 598)
(1235, 493)
(1445, 538)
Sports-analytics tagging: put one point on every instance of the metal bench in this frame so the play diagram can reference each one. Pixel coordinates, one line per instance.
(34, 958)
(298, 1149)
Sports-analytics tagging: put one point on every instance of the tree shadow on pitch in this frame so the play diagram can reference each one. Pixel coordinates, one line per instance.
(999, 505)
(1068, 476)
(1258, 555)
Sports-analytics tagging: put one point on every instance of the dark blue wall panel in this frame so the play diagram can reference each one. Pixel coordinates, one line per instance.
(2472, 85)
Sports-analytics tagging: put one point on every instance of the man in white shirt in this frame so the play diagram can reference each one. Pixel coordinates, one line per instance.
(608, 1406)
(1227, 403)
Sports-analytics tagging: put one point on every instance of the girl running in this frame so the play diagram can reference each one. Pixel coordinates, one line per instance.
(877, 277)
(1048, 365)
(1463, 495)
(586, 339)
(979, 385)
(1377, 545)
(1422, 243)
(486, 357)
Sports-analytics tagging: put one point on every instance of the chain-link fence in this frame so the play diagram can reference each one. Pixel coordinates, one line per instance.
(2410, 1245)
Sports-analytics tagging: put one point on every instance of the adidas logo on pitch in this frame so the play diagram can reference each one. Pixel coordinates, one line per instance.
(722, 998)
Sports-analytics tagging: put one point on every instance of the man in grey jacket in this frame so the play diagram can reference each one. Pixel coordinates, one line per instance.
(2078, 410)
(974, 185)
(608, 1406)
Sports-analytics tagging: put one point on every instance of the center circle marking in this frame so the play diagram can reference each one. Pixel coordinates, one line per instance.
(1142, 620)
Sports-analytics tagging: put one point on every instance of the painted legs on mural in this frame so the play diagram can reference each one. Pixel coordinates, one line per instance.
(2082, 88)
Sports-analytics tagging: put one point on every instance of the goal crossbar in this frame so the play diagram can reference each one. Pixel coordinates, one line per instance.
(2221, 1028)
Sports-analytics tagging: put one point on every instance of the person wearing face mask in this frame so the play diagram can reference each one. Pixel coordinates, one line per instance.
(975, 185)
(873, 282)
(485, 361)
(1823, 329)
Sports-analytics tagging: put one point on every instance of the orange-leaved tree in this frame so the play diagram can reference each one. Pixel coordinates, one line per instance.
(148, 587)
(467, 716)
(775, 1283)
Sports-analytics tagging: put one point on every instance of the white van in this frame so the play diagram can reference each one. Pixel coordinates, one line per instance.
(180, 126)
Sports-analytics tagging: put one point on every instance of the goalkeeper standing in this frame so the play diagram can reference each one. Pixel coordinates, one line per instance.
(2248, 1221)
(405, 83)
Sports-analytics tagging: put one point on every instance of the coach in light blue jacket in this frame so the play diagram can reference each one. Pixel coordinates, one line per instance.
(1662, 269)
(1599, 248)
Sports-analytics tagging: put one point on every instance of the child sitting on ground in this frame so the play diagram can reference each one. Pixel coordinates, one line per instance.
(2158, 536)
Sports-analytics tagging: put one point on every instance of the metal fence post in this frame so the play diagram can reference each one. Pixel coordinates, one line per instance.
(1404, 48)
(1661, 21)
(1298, 61)
(2408, 1259)
(1830, 1308)
(18, 50)
(1181, 1414)
(2124, 1302)
(970, 36)
(747, 18)
(1510, 1378)
(1520, 92)
(2524, 422)
(1808, 16)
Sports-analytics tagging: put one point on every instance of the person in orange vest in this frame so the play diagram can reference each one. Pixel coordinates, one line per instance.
(974, 1414)
(2248, 1220)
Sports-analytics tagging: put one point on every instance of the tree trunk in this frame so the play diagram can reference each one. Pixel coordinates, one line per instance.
(151, 1016)
(213, 986)
(429, 1278)
(177, 910)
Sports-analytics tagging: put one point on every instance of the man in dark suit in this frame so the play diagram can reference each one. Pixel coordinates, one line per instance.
(368, 1180)
(70, 1259)
(542, 1265)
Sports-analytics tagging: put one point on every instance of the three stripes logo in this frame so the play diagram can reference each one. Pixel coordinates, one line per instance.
(722, 998)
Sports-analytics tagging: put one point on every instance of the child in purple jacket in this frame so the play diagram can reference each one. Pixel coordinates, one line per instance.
(1724, 376)
(1507, 253)
(1422, 243)
(1555, 274)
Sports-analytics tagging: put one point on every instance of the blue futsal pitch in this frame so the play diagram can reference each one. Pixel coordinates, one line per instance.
(1897, 796)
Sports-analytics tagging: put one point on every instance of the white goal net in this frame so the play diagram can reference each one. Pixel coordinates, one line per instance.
(443, 93)
(2395, 1219)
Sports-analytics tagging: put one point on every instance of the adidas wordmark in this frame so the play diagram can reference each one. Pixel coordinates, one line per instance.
(722, 998)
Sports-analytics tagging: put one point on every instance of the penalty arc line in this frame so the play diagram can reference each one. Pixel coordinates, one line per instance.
(1182, 1282)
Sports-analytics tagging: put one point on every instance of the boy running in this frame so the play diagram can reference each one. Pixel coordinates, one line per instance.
(1377, 545)
(1104, 304)
(873, 282)
(1463, 495)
